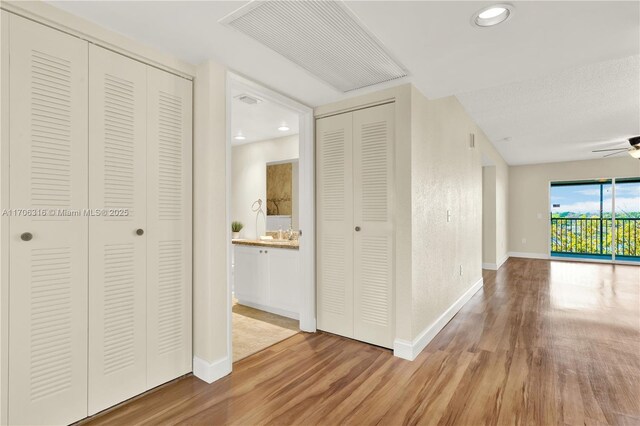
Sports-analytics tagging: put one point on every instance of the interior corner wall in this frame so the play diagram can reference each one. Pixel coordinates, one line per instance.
(4, 220)
(249, 179)
(498, 233)
(211, 301)
(446, 175)
(502, 210)
(489, 221)
(529, 197)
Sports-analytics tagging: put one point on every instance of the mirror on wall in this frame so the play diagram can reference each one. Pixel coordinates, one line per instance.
(282, 200)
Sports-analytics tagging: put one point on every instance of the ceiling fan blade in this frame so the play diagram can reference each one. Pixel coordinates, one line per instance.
(610, 149)
(614, 153)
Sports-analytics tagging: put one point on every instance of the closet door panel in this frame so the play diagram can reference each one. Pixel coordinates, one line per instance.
(48, 178)
(373, 133)
(169, 227)
(334, 188)
(117, 255)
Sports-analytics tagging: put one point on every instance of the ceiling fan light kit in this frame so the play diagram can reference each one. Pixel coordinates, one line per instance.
(634, 151)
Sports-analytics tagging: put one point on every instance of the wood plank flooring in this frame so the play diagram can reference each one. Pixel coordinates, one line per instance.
(543, 343)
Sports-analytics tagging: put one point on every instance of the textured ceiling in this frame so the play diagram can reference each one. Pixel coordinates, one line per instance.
(562, 116)
(445, 55)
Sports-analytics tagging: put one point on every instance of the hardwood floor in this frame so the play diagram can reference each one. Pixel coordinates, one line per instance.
(543, 343)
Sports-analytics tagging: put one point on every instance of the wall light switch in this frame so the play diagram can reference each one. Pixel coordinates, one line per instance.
(524, 241)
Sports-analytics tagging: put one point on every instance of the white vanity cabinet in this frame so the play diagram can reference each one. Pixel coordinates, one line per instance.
(268, 279)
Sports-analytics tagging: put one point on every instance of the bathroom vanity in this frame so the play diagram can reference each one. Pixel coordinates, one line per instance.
(266, 276)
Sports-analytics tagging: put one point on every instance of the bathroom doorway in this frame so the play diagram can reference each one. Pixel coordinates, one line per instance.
(271, 249)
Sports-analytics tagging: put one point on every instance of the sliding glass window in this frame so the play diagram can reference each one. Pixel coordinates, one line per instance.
(597, 219)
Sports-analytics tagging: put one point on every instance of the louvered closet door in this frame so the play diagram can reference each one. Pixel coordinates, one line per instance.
(373, 130)
(48, 274)
(334, 188)
(117, 255)
(169, 227)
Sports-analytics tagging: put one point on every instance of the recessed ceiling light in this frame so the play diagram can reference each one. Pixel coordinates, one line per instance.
(239, 137)
(283, 128)
(492, 15)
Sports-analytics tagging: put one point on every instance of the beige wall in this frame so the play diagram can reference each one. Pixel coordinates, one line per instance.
(497, 207)
(249, 178)
(432, 138)
(446, 175)
(489, 222)
(211, 300)
(529, 196)
(502, 211)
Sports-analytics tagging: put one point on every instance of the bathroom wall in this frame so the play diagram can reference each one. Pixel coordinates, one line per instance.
(249, 179)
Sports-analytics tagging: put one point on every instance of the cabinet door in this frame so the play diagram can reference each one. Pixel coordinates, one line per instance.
(249, 271)
(117, 255)
(168, 227)
(373, 137)
(284, 280)
(48, 274)
(334, 189)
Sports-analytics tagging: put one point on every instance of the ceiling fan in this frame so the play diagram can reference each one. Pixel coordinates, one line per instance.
(634, 151)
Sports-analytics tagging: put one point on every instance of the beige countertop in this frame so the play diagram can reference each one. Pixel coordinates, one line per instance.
(293, 245)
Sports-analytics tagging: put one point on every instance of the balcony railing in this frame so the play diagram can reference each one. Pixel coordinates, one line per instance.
(592, 236)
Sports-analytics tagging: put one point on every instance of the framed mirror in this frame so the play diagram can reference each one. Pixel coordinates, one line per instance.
(282, 195)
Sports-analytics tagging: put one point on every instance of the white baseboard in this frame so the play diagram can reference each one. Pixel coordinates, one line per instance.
(494, 266)
(270, 309)
(528, 255)
(410, 350)
(210, 372)
(308, 325)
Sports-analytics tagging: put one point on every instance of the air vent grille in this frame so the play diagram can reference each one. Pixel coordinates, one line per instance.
(250, 100)
(322, 37)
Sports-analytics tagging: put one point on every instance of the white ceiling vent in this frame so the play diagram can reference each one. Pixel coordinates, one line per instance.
(323, 37)
(247, 99)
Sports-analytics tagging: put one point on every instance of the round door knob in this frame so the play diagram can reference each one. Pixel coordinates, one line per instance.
(357, 229)
(26, 236)
(265, 251)
(260, 251)
(139, 231)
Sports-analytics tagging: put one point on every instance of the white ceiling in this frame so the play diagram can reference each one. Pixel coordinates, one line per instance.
(562, 116)
(444, 54)
(260, 121)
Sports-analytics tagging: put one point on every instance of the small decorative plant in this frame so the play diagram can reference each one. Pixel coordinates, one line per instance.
(236, 226)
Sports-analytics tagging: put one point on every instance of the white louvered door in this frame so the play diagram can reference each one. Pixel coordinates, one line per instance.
(354, 178)
(100, 237)
(373, 245)
(117, 255)
(334, 189)
(48, 274)
(169, 227)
